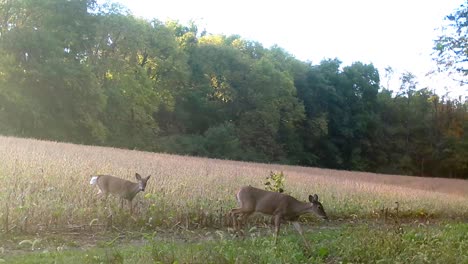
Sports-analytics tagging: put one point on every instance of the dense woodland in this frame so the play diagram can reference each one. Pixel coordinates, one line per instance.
(86, 73)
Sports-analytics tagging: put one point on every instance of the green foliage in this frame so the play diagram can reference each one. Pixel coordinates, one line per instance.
(275, 182)
(222, 142)
(346, 244)
(451, 47)
(421, 245)
(88, 73)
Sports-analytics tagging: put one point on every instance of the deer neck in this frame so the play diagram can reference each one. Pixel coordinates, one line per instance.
(300, 207)
(135, 188)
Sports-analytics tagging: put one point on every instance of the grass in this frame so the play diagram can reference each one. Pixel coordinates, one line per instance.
(358, 243)
(45, 191)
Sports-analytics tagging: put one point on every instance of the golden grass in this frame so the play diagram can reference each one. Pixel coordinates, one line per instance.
(45, 185)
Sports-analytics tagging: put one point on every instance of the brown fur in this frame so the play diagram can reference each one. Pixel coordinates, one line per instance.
(279, 205)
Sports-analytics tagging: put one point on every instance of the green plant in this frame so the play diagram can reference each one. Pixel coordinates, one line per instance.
(275, 182)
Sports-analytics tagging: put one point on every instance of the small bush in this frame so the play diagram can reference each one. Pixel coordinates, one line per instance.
(275, 182)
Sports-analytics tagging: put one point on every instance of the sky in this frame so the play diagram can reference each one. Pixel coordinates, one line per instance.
(397, 33)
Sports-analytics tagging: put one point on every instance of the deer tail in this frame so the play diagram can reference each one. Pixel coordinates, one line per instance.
(93, 180)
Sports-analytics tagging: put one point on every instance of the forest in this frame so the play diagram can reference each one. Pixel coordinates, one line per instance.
(77, 71)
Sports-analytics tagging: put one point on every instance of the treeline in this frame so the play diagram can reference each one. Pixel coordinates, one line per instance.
(81, 72)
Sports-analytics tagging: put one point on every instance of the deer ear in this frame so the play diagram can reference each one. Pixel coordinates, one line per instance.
(137, 176)
(147, 178)
(313, 198)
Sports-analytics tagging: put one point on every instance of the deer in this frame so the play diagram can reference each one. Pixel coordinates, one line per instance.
(280, 206)
(122, 188)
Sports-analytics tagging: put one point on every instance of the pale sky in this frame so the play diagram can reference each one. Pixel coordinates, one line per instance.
(397, 33)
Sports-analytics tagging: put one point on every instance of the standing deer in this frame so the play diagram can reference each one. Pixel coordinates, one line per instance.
(280, 206)
(120, 187)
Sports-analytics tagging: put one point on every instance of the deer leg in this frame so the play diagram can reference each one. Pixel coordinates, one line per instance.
(102, 196)
(298, 227)
(234, 215)
(277, 226)
(244, 218)
(272, 221)
(240, 221)
(238, 215)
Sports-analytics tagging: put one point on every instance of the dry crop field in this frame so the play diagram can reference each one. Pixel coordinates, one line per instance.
(44, 187)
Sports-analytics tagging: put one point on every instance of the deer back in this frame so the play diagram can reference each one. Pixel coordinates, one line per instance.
(123, 188)
(262, 201)
(273, 203)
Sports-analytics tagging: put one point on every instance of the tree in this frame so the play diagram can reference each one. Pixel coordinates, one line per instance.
(450, 139)
(237, 81)
(451, 48)
(45, 86)
(141, 69)
(74, 70)
(316, 89)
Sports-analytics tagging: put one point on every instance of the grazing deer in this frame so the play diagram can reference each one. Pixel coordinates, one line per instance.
(120, 187)
(280, 206)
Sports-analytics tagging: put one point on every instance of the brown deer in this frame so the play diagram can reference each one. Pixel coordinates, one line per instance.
(279, 205)
(124, 189)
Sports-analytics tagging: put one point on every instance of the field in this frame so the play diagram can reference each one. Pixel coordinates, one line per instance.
(50, 213)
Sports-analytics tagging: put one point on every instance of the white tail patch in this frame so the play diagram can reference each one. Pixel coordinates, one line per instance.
(93, 180)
